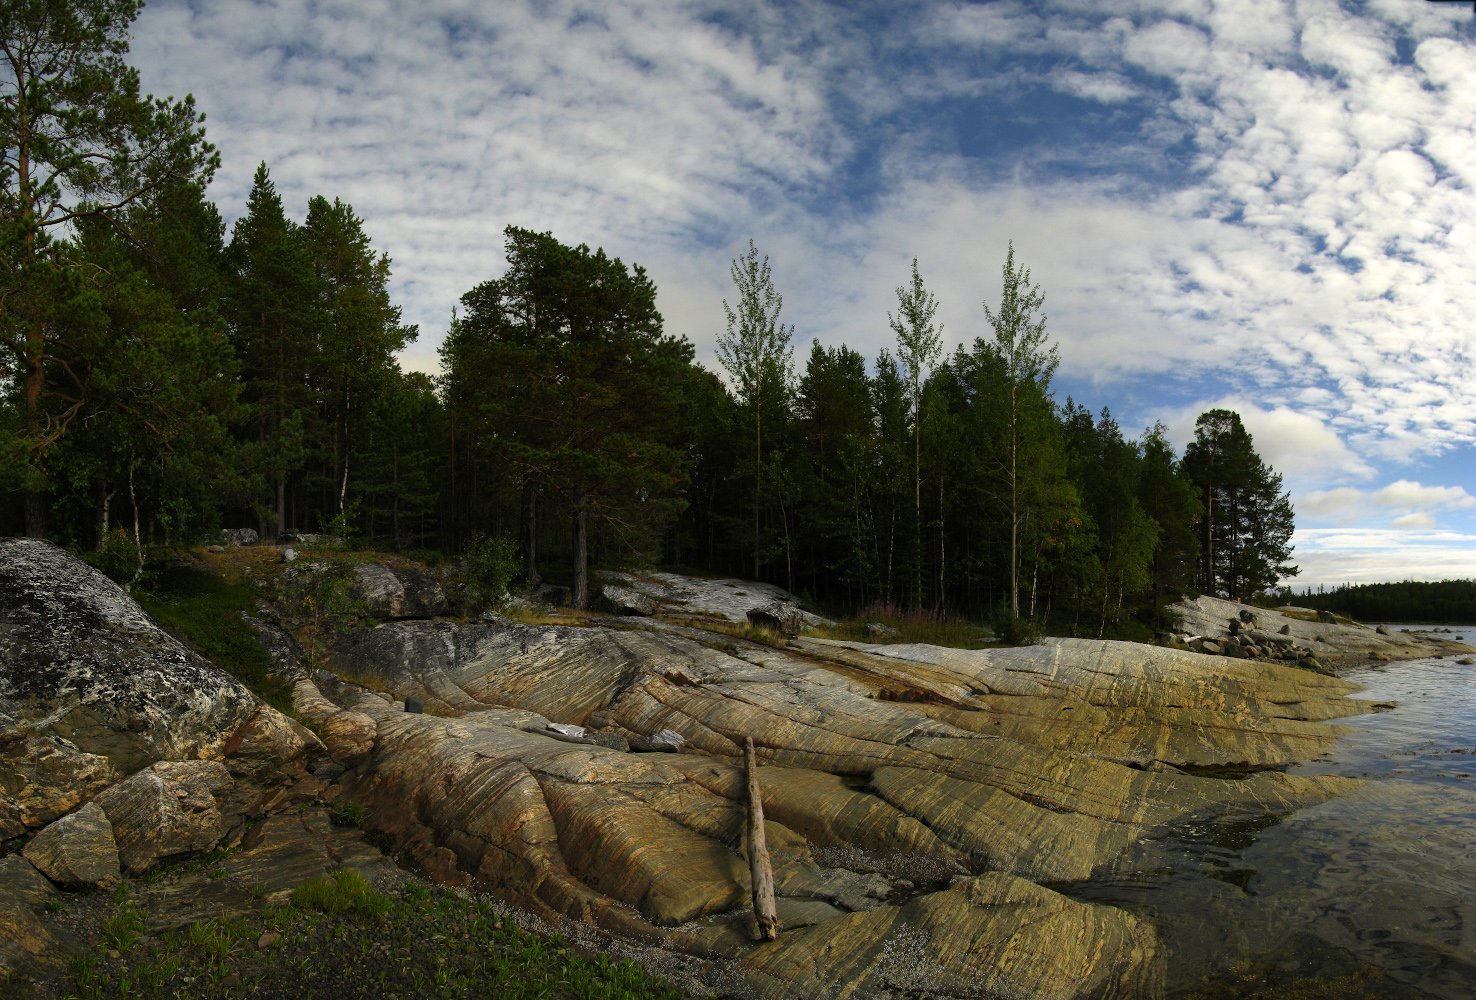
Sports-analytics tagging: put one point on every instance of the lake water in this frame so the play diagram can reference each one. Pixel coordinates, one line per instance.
(1378, 884)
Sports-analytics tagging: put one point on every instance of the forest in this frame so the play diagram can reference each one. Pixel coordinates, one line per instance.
(167, 376)
(1445, 602)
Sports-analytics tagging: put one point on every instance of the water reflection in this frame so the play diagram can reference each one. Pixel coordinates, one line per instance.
(1384, 877)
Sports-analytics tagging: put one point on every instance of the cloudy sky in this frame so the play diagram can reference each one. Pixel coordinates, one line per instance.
(1262, 204)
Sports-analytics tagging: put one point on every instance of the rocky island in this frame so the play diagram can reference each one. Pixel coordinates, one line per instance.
(925, 808)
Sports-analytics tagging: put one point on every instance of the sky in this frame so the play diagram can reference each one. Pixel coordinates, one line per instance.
(1268, 205)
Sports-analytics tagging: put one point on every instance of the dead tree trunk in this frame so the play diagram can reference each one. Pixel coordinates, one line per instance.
(762, 871)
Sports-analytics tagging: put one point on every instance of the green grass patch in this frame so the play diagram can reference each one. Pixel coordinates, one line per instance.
(205, 610)
(432, 944)
(932, 628)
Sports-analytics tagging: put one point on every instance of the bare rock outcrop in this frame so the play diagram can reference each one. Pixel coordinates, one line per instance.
(396, 593)
(348, 736)
(77, 850)
(1297, 634)
(1021, 767)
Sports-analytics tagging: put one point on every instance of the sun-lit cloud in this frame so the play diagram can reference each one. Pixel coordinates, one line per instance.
(1269, 204)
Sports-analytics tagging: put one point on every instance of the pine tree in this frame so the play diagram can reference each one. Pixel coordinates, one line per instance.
(80, 143)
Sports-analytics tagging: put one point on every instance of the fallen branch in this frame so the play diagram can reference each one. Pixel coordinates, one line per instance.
(759, 866)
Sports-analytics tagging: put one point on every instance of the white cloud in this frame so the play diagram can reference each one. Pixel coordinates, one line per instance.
(1418, 520)
(1415, 504)
(1349, 555)
(1314, 267)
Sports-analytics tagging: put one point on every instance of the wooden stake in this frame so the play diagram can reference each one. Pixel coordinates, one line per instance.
(761, 870)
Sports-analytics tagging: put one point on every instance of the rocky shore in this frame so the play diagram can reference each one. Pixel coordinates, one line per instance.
(924, 806)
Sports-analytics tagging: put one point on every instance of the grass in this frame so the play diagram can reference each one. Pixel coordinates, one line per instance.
(203, 609)
(911, 626)
(339, 937)
(1244, 984)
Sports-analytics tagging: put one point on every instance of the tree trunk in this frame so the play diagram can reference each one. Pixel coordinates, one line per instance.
(761, 871)
(530, 534)
(35, 514)
(580, 598)
(104, 499)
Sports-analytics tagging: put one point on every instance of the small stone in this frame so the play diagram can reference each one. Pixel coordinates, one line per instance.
(268, 939)
(1382, 630)
(414, 706)
(289, 554)
(1327, 617)
(1286, 630)
(217, 548)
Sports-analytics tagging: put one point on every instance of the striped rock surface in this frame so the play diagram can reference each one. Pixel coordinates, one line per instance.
(920, 802)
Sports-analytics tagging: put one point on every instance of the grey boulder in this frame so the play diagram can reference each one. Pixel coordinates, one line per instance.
(625, 601)
(778, 617)
(80, 660)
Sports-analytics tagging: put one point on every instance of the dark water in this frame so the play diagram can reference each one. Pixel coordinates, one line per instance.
(1380, 881)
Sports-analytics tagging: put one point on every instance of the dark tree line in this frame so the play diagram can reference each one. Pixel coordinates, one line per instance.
(1449, 601)
(165, 377)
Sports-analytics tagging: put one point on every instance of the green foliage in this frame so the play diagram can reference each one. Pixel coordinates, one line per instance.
(122, 929)
(1246, 537)
(117, 557)
(205, 611)
(491, 565)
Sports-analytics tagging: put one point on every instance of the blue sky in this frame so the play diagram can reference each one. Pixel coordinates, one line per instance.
(1263, 204)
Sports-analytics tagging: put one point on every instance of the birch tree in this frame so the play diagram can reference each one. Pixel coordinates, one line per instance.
(757, 355)
(919, 346)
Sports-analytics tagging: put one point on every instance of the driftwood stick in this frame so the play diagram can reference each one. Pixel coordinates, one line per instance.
(759, 866)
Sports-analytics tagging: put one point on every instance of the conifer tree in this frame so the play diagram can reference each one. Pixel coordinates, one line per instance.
(80, 142)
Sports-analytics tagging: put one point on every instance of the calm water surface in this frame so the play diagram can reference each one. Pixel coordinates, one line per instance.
(1384, 876)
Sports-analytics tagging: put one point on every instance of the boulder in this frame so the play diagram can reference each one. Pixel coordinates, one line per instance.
(1383, 630)
(166, 810)
(877, 632)
(241, 536)
(25, 882)
(271, 748)
(1248, 617)
(1327, 617)
(81, 661)
(27, 946)
(625, 601)
(785, 619)
(289, 554)
(43, 777)
(77, 850)
(397, 593)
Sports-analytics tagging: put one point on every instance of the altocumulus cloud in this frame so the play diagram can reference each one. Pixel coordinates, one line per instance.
(1267, 202)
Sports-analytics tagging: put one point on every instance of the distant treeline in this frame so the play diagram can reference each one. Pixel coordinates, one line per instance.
(165, 377)
(1410, 601)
